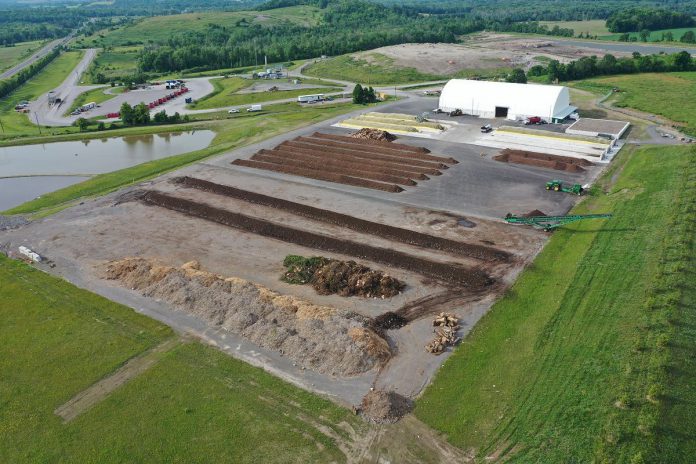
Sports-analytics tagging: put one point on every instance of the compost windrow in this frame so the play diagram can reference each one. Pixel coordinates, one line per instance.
(320, 175)
(447, 273)
(410, 237)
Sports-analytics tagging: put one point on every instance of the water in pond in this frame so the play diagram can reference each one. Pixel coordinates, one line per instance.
(31, 170)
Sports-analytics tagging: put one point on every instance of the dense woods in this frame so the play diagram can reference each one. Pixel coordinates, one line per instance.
(639, 19)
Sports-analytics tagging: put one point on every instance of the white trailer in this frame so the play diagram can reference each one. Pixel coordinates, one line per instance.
(311, 98)
(88, 106)
(253, 108)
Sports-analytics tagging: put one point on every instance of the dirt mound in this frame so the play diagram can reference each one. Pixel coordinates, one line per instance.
(389, 320)
(345, 278)
(320, 338)
(374, 134)
(384, 407)
(360, 225)
(535, 212)
(559, 163)
(451, 273)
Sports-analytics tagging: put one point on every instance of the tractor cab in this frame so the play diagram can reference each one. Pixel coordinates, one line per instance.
(560, 186)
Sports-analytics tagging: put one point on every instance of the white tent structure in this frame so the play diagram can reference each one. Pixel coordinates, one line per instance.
(506, 100)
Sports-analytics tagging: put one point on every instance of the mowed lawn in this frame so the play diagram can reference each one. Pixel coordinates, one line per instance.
(669, 95)
(51, 76)
(10, 56)
(379, 70)
(194, 405)
(589, 356)
(655, 36)
(593, 26)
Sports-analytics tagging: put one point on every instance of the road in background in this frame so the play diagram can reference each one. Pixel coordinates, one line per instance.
(45, 50)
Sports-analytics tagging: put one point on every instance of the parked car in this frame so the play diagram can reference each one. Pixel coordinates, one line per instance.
(456, 112)
(486, 129)
(534, 120)
(233, 110)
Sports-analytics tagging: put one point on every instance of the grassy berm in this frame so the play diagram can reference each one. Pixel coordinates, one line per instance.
(589, 357)
(194, 405)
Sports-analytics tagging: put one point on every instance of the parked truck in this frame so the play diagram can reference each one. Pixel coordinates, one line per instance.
(253, 108)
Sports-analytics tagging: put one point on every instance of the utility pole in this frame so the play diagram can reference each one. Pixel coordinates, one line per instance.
(36, 116)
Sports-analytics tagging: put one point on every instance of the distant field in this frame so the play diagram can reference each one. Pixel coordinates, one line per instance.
(115, 62)
(10, 56)
(159, 28)
(589, 356)
(379, 71)
(194, 401)
(662, 94)
(655, 36)
(594, 26)
(48, 78)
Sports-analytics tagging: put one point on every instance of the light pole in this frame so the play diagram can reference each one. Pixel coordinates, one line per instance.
(36, 117)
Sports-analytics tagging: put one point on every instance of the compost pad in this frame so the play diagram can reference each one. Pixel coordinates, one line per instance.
(384, 407)
(356, 161)
(484, 253)
(448, 273)
(326, 340)
(559, 163)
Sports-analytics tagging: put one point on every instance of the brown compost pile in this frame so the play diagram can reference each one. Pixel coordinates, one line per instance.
(345, 278)
(374, 134)
(320, 338)
(384, 407)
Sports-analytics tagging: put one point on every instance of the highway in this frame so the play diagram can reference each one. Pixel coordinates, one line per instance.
(45, 50)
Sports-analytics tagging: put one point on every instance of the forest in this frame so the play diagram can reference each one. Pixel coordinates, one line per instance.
(639, 19)
(592, 66)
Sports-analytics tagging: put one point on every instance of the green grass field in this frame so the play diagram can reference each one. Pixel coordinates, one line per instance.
(655, 36)
(379, 71)
(662, 94)
(232, 132)
(594, 26)
(95, 95)
(10, 56)
(225, 93)
(195, 404)
(159, 28)
(113, 63)
(51, 76)
(586, 357)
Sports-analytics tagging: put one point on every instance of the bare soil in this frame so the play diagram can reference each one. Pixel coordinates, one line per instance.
(481, 252)
(451, 274)
(559, 163)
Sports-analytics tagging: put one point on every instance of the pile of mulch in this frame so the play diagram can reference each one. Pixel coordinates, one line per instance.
(559, 163)
(345, 278)
(384, 407)
(535, 212)
(389, 320)
(374, 134)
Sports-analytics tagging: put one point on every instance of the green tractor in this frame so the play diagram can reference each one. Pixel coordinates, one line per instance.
(560, 186)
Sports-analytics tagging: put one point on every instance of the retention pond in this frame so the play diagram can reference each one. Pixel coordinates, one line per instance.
(29, 171)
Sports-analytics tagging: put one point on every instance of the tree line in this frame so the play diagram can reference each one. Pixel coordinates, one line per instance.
(650, 19)
(347, 26)
(8, 85)
(593, 66)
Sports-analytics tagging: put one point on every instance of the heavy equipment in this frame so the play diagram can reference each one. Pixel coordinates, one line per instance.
(560, 186)
(551, 222)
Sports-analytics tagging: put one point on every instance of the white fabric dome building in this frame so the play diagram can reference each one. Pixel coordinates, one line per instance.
(506, 100)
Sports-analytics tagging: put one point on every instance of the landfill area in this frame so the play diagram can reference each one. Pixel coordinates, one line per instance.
(303, 268)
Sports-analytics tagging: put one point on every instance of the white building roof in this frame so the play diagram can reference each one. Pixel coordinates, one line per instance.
(522, 100)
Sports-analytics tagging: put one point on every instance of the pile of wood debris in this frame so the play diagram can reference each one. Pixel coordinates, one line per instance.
(445, 333)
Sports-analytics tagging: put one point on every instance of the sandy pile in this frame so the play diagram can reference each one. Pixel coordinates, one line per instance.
(385, 407)
(320, 338)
